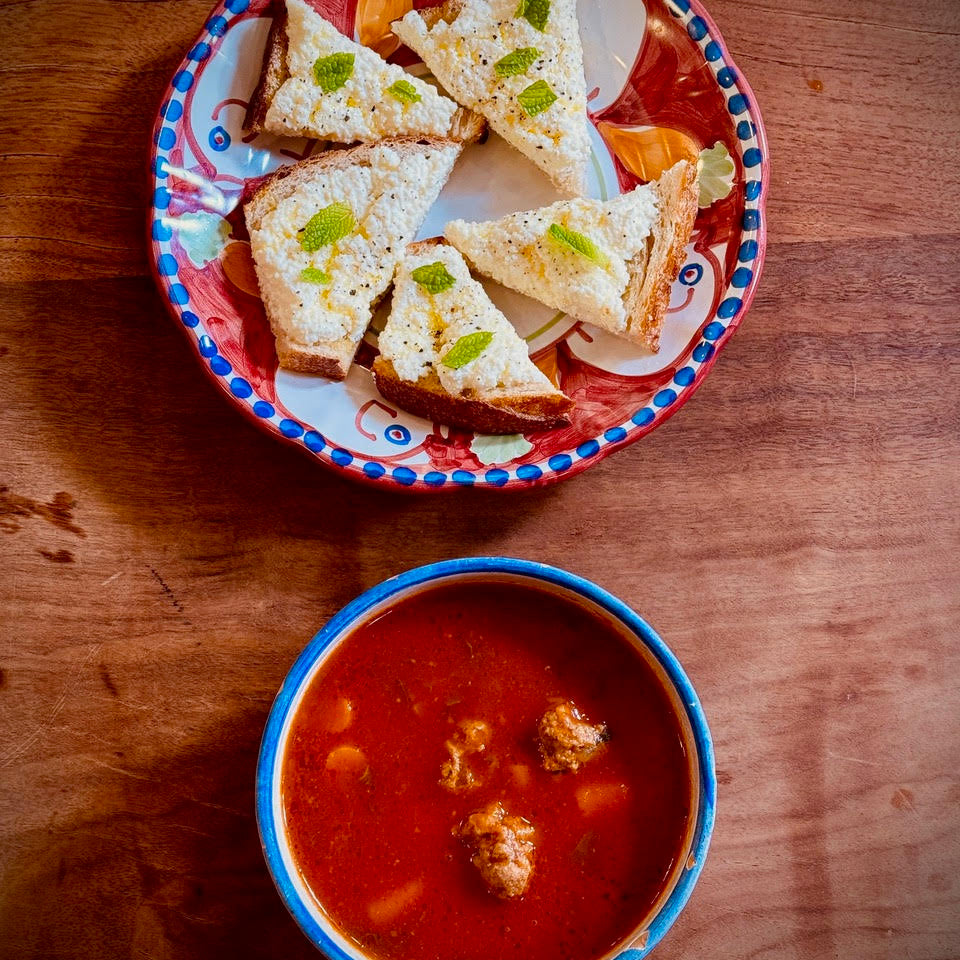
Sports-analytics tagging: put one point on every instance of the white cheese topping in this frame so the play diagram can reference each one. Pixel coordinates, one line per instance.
(463, 55)
(389, 200)
(516, 252)
(359, 110)
(424, 326)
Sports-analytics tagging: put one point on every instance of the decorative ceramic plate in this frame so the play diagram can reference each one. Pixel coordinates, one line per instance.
(661, 87)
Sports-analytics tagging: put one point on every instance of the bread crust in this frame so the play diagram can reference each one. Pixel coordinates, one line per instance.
(448, 11)
(465, 125)
(653, 269)
(273, 72)
(332, 358)
(426, 398)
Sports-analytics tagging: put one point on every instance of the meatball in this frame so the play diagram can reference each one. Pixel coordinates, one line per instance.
(502, 849)
(456, 774)
(567, 739)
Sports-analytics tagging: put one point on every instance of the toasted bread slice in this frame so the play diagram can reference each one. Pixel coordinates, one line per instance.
(448, 354)
(610, 262)
(326, 235)
(522, 71)
(317, 83)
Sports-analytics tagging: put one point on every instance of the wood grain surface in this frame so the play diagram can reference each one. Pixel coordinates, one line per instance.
(794, 533)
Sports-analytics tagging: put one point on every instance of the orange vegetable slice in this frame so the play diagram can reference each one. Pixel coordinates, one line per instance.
(237, 264)
(594, 797)
(647, 152)
(373, 23)
(349, 766)
(389, 907)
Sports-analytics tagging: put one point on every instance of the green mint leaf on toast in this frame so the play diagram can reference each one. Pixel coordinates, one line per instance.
(327, 226)
(434, 277)
(314, 275)
(536, 98)
(520, 61)
(535, 12)
(404, 91)
(331, 73)
(467, 349)
(577, 242)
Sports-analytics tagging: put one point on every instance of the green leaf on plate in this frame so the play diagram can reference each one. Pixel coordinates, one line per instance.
(499, 449)
(716, 173)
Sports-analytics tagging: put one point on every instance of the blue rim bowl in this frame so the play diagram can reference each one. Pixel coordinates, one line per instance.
(290, 885)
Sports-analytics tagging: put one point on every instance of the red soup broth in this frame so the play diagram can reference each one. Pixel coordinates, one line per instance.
(371, 828)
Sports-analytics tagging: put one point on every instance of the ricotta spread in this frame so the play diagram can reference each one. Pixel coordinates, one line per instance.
(361, 109)
(517, 252)
(424, 326)
(389, 199)
(463, 56)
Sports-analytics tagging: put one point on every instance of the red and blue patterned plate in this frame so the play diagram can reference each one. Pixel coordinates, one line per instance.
(661, 87)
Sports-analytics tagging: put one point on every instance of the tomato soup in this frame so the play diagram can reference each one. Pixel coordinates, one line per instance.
(373, 831)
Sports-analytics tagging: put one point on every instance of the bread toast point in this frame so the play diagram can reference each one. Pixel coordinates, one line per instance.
(537, 103)
(653, 271)
(499, 391)
(288, 101)
(388, 188)
(610, 263)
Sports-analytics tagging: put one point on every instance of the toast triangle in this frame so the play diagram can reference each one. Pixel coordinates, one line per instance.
(326, 235)
(319, 84)
(610, 263)
(438, 309)
(526, 81)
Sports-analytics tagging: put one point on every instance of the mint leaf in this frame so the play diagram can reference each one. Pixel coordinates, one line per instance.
(520, 61)
(331, 73)
(327, 226)
(466, 349)
(404, 91)
(716, 174)
(434, 277)
(577, 242)
(536, 98)
(314, 275)
(535, 12)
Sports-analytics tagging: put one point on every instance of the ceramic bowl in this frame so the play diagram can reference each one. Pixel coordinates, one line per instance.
(294, 892)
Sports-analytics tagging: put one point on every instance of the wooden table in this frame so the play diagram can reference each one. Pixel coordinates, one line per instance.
(794, 533)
